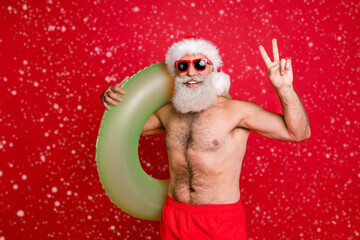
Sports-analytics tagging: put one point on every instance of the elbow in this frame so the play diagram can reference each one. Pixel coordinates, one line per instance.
(303, 137)
(152, 131)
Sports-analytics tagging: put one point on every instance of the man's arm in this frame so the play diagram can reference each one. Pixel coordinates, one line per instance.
(154, 125)
(294, 124)
(109, 97)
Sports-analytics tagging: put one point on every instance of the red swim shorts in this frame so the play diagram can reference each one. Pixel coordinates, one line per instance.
(202, 222)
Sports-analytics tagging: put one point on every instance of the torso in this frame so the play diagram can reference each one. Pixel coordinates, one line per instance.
(205, 153)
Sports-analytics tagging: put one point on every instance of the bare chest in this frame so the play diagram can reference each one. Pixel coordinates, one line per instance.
(197, 131)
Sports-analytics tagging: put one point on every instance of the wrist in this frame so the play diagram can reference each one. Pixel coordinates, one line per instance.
(285, 90)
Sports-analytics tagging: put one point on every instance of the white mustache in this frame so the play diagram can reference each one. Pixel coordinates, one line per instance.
(185, 79)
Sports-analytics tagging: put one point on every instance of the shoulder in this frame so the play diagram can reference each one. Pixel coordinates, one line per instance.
(163, 112)
(241, 111)
(239, 106)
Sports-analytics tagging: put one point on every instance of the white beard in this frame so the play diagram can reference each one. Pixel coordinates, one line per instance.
(196, 99)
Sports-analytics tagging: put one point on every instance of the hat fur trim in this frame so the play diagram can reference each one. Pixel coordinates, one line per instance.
(191, 47)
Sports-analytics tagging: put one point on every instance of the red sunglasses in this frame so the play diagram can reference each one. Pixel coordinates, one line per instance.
(199, 64)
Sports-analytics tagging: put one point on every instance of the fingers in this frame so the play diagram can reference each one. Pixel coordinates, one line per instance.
(288, 66)
(123, 81)
(275, 68)
(285, 65)
(118, 89)
(106, 105)
(282, 66)
(264, 56)
(110, 96)
(275, 50)
(108, 101)
(114, 96)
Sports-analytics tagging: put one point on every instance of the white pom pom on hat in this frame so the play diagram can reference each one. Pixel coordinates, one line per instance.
(192, 45)
(221, 82)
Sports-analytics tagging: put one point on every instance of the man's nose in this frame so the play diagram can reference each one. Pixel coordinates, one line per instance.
(191, 71)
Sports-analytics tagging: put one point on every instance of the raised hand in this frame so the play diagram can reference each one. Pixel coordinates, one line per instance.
(280, 71)
(109, 96)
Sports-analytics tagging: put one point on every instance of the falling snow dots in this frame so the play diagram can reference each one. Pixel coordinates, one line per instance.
(24, 177)
(79, 107)
(56, 106)
(54, 189)
(25, 7)
(221, 12)
(13, 92)
(20, 213)
(57, 203)
(108, 54)
(311, 44)
(135, 9)
(15, 187)
(110, 79)
(51, 28)
(1, 173)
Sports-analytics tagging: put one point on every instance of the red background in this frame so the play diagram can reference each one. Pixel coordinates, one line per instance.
(58, 56)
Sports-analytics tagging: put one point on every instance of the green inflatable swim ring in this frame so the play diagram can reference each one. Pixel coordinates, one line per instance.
(117, 159)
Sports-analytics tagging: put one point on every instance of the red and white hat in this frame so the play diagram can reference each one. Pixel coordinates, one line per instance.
(192, 45)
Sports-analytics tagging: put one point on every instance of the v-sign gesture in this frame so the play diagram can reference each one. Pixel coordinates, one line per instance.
(280, 71)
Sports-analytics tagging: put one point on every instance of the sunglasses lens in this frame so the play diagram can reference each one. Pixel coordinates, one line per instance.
(200, 64)
(182, 66)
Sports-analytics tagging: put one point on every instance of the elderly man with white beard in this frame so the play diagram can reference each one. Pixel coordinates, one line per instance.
(206, 137)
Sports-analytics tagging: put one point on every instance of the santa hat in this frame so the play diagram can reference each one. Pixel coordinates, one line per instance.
(192, 45)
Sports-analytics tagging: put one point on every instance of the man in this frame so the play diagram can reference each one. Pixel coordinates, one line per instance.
(206, 136)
